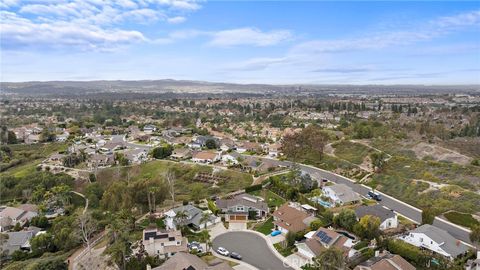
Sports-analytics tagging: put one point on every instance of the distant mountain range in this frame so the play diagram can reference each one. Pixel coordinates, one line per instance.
(182, 87)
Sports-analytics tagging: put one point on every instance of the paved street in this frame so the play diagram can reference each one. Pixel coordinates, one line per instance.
(396, 205)
(253, 248)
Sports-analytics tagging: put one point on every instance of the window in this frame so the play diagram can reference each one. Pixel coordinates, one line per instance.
(421, 239)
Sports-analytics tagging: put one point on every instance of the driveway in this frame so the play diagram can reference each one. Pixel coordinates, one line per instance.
(253, 248)
(237, 226)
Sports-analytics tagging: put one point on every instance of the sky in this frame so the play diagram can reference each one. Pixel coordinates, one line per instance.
(279, 42)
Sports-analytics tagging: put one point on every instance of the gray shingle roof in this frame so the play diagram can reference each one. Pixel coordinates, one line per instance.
(345, 193)
(242, 199)
(374, 210)
(450, 245)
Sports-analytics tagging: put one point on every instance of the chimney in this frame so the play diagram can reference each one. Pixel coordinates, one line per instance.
(377, 253)
(478, 254)
(149, 267)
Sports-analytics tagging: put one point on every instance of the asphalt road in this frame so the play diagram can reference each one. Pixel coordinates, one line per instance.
(396, 205)
(253, 249)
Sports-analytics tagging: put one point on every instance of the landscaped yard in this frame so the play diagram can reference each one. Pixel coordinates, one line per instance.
(266, 227)
(284, 251)
(461, 219)
(271, 198)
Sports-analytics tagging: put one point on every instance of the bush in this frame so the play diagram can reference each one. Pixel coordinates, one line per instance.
(253, 188)
(407, 251)
(360, 245)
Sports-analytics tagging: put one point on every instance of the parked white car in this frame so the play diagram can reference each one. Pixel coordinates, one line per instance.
(222, 251)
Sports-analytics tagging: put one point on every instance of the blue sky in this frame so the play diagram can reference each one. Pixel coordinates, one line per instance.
(392, 42)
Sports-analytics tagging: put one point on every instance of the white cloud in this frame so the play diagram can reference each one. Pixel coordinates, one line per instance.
(177, 19)
(86, 24)
(248, 36)
(431, 30)
(20, 32)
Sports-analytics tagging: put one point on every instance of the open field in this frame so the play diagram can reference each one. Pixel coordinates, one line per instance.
(353, 152)
(184, 173)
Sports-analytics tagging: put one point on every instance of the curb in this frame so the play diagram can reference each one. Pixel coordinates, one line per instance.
(233, 260)
(269, 244)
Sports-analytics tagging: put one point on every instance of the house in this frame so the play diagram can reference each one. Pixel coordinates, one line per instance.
(201, 141)
(62, 137)
(149, 129)
(181, 154)
(205, 157)
(57, 158)
(9, 216)
(18, 240)
(249, 146)
(32, 139)
(435, 240)
(341, 194)
(385, 261)
(240, 207)
(473, 264)
(187, 261)
(135, 156)
(232, 158)
(323, 239)
(100, 160)
(226, 144)
(291, 218)
(274, 150)
(388, 218)
(193, 217)
(163, 243)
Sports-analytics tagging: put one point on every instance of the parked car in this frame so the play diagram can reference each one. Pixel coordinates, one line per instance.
(195, 246)
(375, 195)
(222, 251)
(275, 233)
(235, 256)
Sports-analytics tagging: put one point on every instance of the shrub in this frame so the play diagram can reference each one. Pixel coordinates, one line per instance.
(409, 252)
(253, 188)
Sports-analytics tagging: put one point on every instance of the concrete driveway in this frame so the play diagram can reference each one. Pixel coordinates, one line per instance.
(252, 247)
(237, 226)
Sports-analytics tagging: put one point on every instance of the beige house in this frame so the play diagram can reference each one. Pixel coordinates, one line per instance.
(163, 244)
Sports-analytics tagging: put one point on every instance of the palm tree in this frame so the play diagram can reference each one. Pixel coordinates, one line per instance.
(204, 219)
(180, 217)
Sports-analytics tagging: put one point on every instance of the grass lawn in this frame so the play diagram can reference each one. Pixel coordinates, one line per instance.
(184, 173)
(266, 227)
(284, 251)
(461, 219)
(271, 198)
(353, 152)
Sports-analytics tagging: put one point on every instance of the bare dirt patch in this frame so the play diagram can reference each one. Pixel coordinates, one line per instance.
(439, 153)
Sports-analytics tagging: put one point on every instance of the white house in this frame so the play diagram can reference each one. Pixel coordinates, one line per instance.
(387, 217)
(341, 194)
(206, 157)
(238, 208)
(231, 158)
(163, 244)
(193, 218)
(436, 240)
(136, 156)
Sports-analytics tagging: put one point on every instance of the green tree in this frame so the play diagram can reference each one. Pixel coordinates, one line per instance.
(330, 259)
(345, 219)
(42, 243)
(475, 234)
(314, 225)
(428, 215)
(367, 227)
(204, 219)
(181, 217)
(197, 191)
(211, 144)
(162, 151)
(378, 160)
(290, 237)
